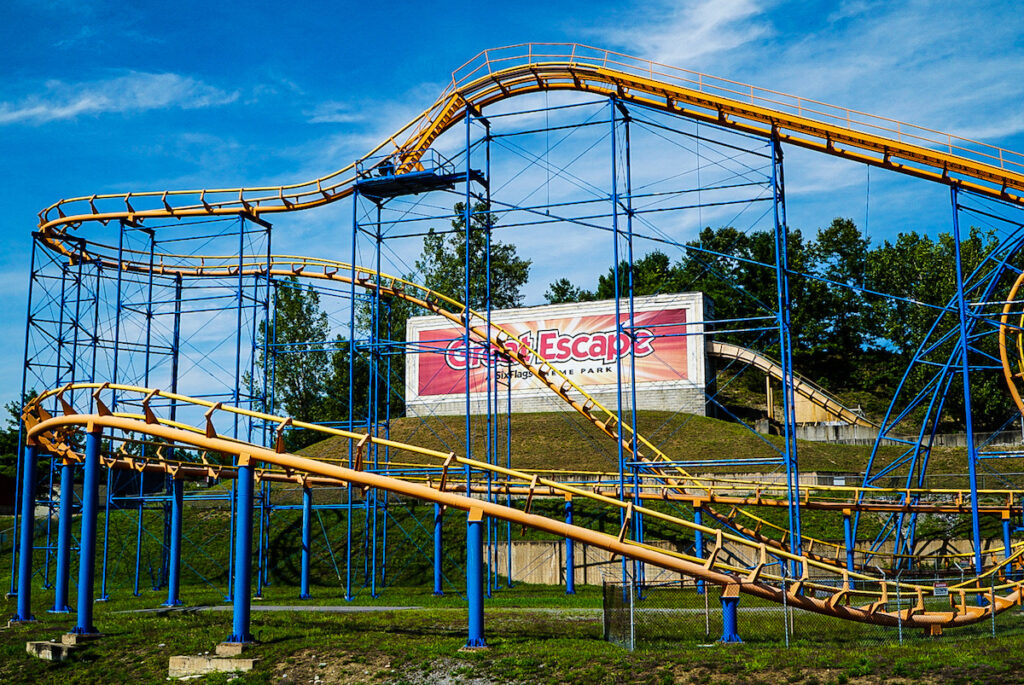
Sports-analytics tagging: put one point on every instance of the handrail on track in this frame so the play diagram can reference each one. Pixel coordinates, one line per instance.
(44, 428)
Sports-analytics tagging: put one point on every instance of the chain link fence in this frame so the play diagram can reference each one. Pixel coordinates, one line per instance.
(688, 611)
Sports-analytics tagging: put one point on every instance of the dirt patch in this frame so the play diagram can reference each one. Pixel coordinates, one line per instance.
(808, 676)
(313, 666)
(320, 668)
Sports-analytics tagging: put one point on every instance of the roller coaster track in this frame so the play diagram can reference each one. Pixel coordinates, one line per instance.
(813, 392)
(1017, 330)
(498, 74)
(599, 416)
(489, 78)
(841, 592)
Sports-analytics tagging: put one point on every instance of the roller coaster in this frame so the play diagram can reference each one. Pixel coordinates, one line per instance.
(97, 336)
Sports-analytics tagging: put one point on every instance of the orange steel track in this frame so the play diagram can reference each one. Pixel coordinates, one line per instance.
(498, 74)
(601, 417)
(849, 595)
(491, 77)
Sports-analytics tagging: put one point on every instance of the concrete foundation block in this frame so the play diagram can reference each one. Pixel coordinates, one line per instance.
(74, 639)
(230, 648)
(49, 651)
(184, 666)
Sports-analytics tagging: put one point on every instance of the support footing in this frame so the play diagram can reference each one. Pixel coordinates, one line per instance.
(730, 601)
(186, 666)
(231, 648)
(49, 651)
(76, 639)
(19, 621)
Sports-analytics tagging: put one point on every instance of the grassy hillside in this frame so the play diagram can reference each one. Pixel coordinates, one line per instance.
(563, 440)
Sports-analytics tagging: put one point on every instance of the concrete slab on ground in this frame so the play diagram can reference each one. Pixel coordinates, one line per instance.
(188, 665)
(49, 651)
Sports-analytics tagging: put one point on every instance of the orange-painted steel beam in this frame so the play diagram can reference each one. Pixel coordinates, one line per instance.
(838, 131)
(798, 594)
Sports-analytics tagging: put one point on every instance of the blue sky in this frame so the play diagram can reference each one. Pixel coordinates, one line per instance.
(101, 97)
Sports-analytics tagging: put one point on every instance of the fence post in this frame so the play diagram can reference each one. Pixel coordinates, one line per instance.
(785, 603)
(707, 615)
(632, 616)
(899, 610)
(992, 600)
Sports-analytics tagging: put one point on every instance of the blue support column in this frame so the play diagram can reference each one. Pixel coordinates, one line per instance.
(174, 560)
(438, 550)
(848, 538)
(698, 548)
(475, 578)
(87, 543)
(570, 552)
(730, 623)
(28, 520)
(784, 321)
(67, 503)
(972, 450)
(243, 554)
(1006, 534)
(614, 197)
(307, 540)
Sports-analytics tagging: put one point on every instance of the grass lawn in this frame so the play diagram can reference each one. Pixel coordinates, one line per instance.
(564, 440)
(536, 635)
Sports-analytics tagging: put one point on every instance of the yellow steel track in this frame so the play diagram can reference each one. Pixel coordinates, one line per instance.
(491, 77)
(823, 588)
(495, 75)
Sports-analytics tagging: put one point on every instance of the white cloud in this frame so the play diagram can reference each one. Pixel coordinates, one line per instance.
(334, 113)
(689, 34)
(131, 92)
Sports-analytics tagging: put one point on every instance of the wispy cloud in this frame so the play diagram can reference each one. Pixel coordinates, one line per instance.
(690, 34)
(920, 61)
(130, 92)
(334, 113)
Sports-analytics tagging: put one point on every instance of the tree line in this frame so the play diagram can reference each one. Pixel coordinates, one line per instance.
(858, 311)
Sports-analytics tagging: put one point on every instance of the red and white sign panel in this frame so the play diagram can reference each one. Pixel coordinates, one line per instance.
(580, 340)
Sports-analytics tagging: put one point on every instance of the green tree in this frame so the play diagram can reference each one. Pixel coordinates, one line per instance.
(441, 267)
(295, 359)
(10, 434)
(652, 274)
(920, 271)
(563, 290)
(442, 264)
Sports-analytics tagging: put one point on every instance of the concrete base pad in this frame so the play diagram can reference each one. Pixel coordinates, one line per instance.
(73, 639)
(183, 666)
(49, 651)
(230, 648)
